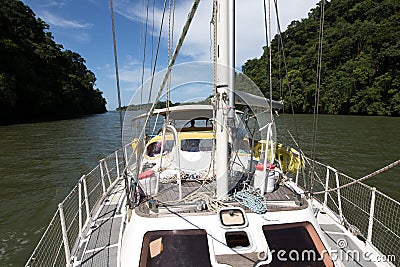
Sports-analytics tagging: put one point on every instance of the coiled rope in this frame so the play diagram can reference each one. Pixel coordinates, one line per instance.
(252, 200)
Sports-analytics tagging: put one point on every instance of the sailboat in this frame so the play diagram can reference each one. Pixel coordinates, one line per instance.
(207, 184)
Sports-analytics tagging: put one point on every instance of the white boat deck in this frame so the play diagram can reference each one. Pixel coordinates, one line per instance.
(94, 215)
(345, 246)
(101, 246)
(281, 199)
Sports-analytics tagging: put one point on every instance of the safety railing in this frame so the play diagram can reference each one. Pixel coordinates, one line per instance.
(67, 227)
(364, 210)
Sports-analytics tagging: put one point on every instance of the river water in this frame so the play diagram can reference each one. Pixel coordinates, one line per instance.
(41, 162)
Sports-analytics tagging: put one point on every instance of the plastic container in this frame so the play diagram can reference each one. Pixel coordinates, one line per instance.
(148, 182)
(265, 182)
(270, 178)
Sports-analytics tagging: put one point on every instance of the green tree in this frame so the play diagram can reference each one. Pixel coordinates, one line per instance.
(360, 63)
(38, 79)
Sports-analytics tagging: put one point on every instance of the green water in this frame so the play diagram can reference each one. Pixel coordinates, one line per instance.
(41, 162)
(354, 145)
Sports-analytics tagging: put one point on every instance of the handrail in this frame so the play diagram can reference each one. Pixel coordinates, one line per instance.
(371, 215)
(178, 171)
(361, 208)
(370, 211)
(70, 223)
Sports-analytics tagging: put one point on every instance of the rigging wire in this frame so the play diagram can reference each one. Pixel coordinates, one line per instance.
(287, 75)
(279, 70)
(144, 51)
(270, 59)
(317, 87)
(171, 21)
(318, 79)
(158, 48)
(297, 144)
(125, 163)
(170, 65)
(116, 66)
(211, 32)
(214, 21)
(152, 36)
(280, 42)
(267, 25)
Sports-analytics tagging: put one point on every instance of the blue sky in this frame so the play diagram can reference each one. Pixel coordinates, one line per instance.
(84, 26)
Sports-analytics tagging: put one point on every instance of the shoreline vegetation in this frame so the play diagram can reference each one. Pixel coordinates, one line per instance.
(163, 104)
(39, 79)
(360, 60)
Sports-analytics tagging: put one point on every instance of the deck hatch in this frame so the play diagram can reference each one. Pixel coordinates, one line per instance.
(301, 245)
(237, 239)
(232, 217)
(175, 248)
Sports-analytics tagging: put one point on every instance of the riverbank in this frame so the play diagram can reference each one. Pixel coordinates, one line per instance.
(49, 118)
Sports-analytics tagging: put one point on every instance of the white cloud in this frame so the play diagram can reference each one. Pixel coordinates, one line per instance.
(250, 35)
(188, 80)
(130, 76)
(250, 30)
(52, 3)
(55, 20)
(249, 40)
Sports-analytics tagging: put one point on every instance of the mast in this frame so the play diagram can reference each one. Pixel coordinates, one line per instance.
(232, 62)
(224, 90)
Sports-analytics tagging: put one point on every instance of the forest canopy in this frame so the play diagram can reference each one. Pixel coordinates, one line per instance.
(360, 71)
(38, 78)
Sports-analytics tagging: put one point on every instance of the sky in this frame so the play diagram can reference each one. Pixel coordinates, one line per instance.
(84, 26)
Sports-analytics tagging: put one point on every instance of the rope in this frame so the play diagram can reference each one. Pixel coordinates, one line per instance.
(318, 80)
(170, 65)
(270, 59)
(152, 36)
(252, 200)
(197, 195)
(125, 163)
(171, 27)
(286, 72)
(213, 204)
(215, 21)
(267, 25)
(116, 65)
(210, 235)
(158, 48)
(280, 48)
(172, 62)
(397, 162)
(170, 44)
(144, 51)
